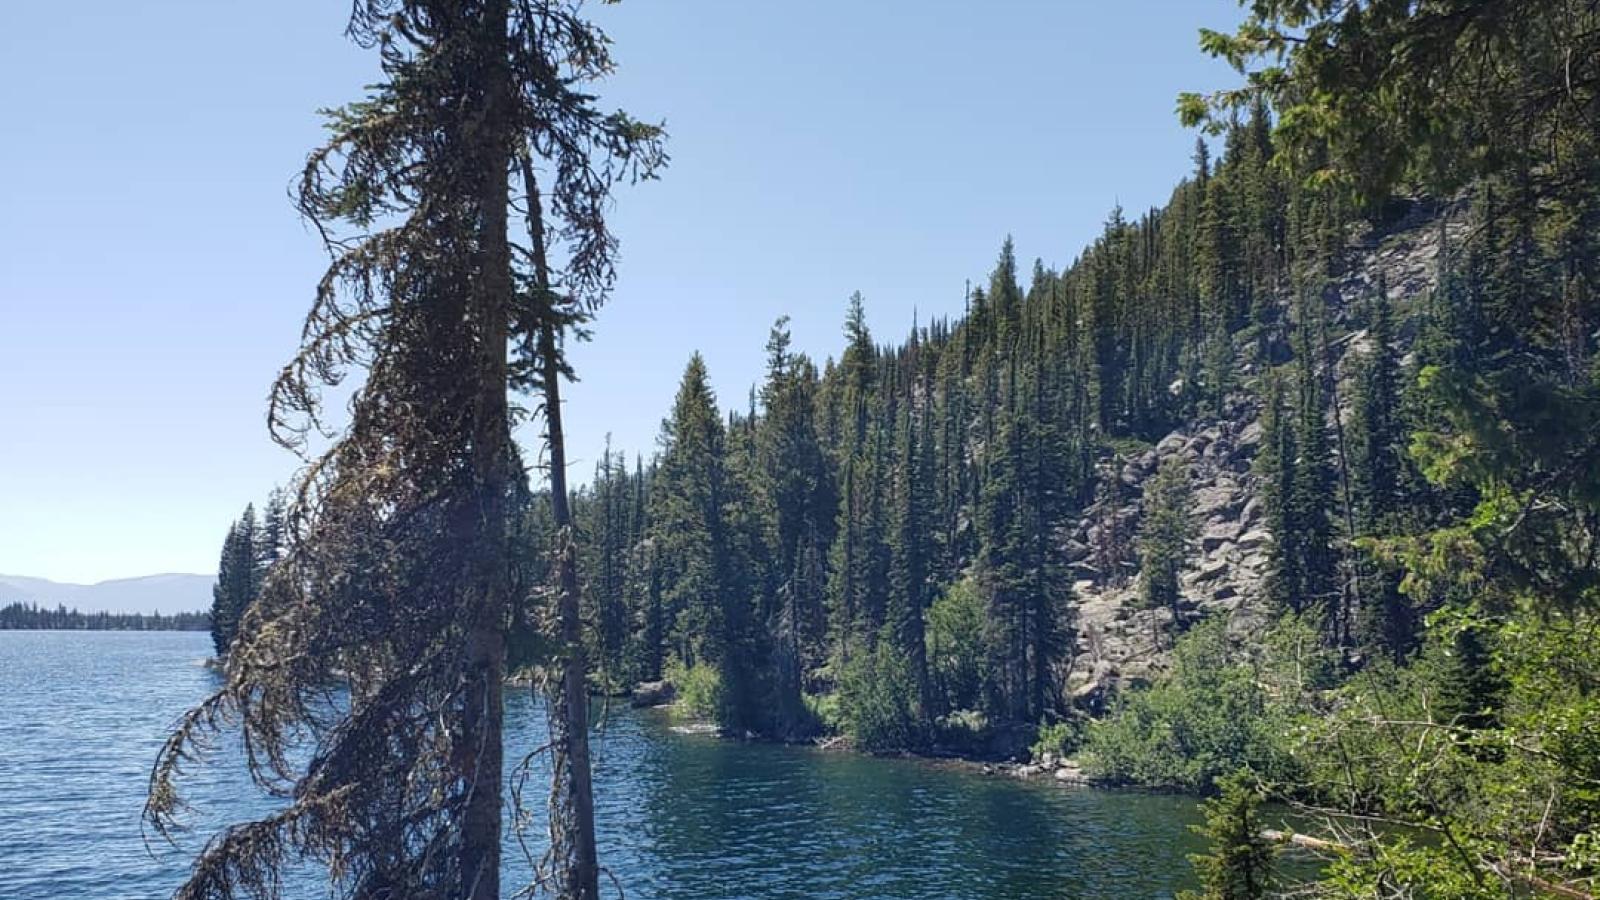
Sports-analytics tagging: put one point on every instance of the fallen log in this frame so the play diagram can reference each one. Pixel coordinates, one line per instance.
(1319, 845)
(1303, 840)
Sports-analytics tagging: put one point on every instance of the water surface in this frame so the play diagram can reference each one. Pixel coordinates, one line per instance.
(82, 715)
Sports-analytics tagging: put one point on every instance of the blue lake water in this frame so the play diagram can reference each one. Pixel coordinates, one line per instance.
(82, 715)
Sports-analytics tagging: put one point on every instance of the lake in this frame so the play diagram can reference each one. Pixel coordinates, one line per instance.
(82, 715)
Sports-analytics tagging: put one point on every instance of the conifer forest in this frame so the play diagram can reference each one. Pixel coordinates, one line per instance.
(1284, 494)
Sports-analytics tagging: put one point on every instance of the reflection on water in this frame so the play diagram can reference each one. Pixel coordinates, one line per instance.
(681, 816)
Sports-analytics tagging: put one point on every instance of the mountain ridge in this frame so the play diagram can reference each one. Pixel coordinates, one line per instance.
(162, 592)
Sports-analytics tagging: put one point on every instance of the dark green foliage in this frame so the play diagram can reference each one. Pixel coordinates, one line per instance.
(1240, 864)
(1298, 485)
(1164, 538)
(877, 700)
(246, 554)
(796, 495)
(1472, 689)
(708, 619)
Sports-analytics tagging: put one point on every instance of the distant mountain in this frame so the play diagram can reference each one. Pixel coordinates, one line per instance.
(166, 594)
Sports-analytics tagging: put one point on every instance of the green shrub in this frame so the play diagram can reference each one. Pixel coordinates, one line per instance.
(1058, 739)
(876, 700)
(963, 732)
(699, 689)
(955, 629)
(1209, 716)
(824, 710)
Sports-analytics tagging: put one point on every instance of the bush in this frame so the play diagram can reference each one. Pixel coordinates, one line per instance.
(1208, 717)
(1059, 739)
(963, 732)
(955, 629)
(876, 700)
(824, 710)
(699, 689)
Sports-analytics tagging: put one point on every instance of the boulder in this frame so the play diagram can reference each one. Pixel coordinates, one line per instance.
(1071, 773)
(1217, 534)
(1093, 695)
(652, 693)
(1251, 435)
(1255, 537)
(1251, 514)
(1171, 444)
(1215, 500)
(1145, 462)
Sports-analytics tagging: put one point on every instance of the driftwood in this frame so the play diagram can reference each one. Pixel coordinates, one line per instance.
(1318, 845)
(1303, 840)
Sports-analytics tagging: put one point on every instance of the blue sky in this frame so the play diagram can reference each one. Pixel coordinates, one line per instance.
(153, 274)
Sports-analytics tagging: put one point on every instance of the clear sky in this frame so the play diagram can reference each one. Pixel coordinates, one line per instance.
(153, 273)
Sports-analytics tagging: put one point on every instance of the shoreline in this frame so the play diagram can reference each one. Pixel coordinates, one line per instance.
(1063, 772)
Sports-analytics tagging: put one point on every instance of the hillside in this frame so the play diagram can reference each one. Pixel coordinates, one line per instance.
(167, 594)
(1228, 562)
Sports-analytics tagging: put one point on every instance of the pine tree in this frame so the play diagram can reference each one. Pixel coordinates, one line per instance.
(1278, 464)
(706, 617)
(1389, 623)
(1309, 528)
(1240, 865)
(398, 582)
(1164, 536)
(226, 604)
(796, 487)
(911, 550)
(858, 559)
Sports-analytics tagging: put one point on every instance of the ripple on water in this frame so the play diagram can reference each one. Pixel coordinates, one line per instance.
(681, 816)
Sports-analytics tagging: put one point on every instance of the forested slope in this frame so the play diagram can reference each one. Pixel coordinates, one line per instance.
(1228, 557)
(962, 514)
(1296, 478)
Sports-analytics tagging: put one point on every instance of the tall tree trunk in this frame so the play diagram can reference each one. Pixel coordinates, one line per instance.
(489, 309)
(577, 874)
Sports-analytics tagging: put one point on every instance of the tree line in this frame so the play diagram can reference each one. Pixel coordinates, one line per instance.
(33, 617)
(826, 537)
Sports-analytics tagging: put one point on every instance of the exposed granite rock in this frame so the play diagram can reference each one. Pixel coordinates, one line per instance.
(1119, 642)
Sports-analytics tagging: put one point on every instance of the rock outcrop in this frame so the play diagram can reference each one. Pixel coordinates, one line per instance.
(1118, 642)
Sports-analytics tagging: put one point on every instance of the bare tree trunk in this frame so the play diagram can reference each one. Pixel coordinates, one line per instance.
(577, 875)
(489, 308)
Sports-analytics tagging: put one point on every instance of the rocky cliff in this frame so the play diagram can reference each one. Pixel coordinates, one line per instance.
(1118, 642)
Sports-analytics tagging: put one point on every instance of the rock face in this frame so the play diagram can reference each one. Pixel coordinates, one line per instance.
(1118, 643)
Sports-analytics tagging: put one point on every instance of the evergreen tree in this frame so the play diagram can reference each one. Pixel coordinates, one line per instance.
(1240, 865)
(1278, 463)
(1309, 527)
(707, 620)
(1164, 538)
(796, 486)
(1389, 623)
(911, 551)
(399, 581)
(237, 582)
